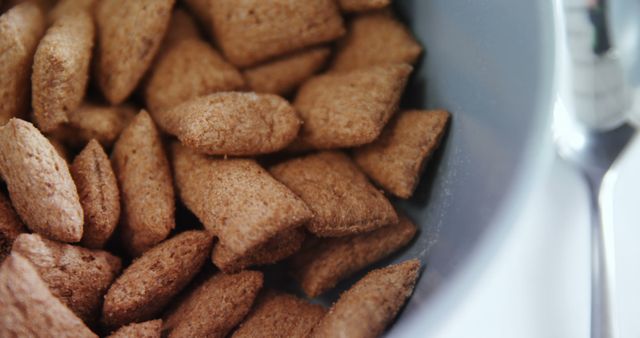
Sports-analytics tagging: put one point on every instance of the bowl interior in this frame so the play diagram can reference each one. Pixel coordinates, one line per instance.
(491, 64)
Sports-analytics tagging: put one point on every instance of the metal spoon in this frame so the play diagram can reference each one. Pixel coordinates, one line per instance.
(592, 136)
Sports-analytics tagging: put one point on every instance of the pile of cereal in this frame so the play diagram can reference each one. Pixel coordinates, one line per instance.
(176, 149)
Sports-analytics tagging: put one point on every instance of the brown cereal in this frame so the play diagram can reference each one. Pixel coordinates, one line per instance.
(129, 35)
(152, 280)
(10, 226)
(254, 30)
(93, 121)
(373, 39)
(181, 27)
(64, 7)
(340, 196)
(367, 308)
(232, 123)
(188, 69)
(283, 75)
(32, 169)
(362, 5)
(279, 315)
(349, 109)
(276, 249)
(320, 267)
(61, 69)
(98, 189)
(146, 188)
(59, 147)
(27, 307)
(79, 277)
(396, 159)
(148, 329)
(201, 9)
(236, 199)
(20, 30)
(215, 307)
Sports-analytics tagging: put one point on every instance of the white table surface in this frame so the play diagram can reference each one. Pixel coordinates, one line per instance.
(537, 285)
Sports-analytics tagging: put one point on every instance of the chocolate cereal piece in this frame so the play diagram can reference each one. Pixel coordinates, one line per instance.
(152, 280)
(79, 277)
(20, 30)
(236, 199)
(27, 307)
(201, 9)
(373, 39)
(279, 315)
(61, 69)
(181, 27)
(65, 7)
(276, 249)
(39, 183)
(129, 35)
(10, 226)
(98, 189)
(369, 306)
(362, 5)
(232, 123)
(396, 160)
(255, 30)
(215, 307)
(146, 188)
(60, 148)
(349, 109)
(321, 266)
(94, 121)
(340, 196)
(188, 69)
(148, 329)
(283, 75)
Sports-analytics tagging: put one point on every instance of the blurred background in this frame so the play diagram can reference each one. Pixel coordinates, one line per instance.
(538, 283)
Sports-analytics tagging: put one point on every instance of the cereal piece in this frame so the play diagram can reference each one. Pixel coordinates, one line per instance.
(27, 307)
(373, 39)
(181, 27)
(65, 7)
(59, 147)
(146, 188)
(61, 69)
(98, 189)
(369, 306)
(201, 9)
(396, 159)
(279, 315)
(320, 267)
(276, 249)
(20, 30)
(92, 121)
(283, 75)
(10, 226)
(45, 5)
(362, 5)
(232, 123)
(79, 277)
(215, 307)
(152, 280)
(340, 196)
(255, 30)
(148, 329)
(349, 109)
(186, 70)
(129, 35)
(236, 199)
(39, 183)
